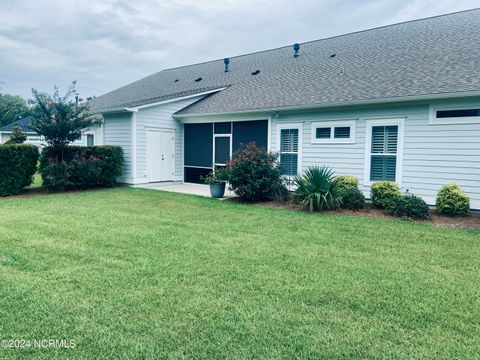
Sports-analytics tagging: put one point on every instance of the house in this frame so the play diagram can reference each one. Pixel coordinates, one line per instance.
(90, 137)
(398, 102)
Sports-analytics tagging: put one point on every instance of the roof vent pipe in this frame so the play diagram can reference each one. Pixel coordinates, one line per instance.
(296, 48)
(226, 61)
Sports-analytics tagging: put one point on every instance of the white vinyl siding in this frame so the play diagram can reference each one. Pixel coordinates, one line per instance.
(160, 117)
(432, 155)
(118, 131)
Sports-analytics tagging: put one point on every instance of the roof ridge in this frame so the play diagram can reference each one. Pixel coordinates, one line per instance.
(322, 39)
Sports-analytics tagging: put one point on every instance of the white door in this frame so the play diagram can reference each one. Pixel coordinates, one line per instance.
(160, 155)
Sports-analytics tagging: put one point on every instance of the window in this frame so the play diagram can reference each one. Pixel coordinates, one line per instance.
(289, 146)
(335, 132)
(454, 114)
(457, 113)
(323, 133)
(90, 140)
(289, 151)
(384, 150)
(384, 144)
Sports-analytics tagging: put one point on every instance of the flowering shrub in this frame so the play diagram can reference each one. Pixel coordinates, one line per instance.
(254, 174)
(82, 167)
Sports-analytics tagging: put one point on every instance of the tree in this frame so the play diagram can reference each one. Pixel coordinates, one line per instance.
(61, 119)
(18, 137)
(12, 108)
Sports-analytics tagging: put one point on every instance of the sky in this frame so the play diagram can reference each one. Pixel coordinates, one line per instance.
(110, 43)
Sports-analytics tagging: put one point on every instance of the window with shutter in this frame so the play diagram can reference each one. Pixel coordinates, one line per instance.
(289, 151)
(383, 159)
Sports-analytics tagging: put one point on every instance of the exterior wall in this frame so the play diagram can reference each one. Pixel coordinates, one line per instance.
(159, 117)
(4, 137)
(117, 130)
(432, 154)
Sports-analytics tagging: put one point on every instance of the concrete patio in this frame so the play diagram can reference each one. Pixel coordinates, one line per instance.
(186, 188)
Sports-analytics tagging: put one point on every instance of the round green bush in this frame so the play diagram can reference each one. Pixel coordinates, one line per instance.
(253, 174)
(352, 198)
(346, 182)
(385, 193)
(409, 207)
(452, 200)
(18, 164)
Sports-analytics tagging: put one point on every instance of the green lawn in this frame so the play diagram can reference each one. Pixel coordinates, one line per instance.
(132, 273)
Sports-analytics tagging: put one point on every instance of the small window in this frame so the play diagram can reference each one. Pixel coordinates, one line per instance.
(323, 133)
(457, 113)
(335, 132)
(342, 132)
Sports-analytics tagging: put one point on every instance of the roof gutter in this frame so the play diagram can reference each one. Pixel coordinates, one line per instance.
(339, 104)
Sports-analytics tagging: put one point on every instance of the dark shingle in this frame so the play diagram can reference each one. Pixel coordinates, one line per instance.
(23, 123)
(437, 55)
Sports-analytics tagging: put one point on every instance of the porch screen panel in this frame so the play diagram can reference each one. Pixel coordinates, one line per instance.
(245, 132)
(222, 150)
(198, 148)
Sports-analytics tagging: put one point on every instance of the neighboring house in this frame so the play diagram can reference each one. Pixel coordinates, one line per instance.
(399, 102)
(90, 137)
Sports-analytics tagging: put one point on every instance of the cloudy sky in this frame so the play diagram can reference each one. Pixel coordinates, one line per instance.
(110, 43)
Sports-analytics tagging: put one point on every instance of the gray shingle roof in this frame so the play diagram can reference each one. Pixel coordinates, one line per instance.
(23, 123)
(439, 55)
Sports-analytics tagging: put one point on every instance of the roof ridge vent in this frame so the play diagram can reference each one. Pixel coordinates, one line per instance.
(296, 49)
(226, 61)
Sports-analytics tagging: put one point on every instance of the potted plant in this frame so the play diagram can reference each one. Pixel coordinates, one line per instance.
(217, 180)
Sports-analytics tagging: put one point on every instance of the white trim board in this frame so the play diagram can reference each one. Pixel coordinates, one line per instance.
(136, 108)
(400, 122)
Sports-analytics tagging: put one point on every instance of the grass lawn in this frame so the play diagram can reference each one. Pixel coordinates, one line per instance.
(132, 273)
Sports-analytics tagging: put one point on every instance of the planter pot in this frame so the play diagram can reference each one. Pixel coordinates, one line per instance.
(217, 190)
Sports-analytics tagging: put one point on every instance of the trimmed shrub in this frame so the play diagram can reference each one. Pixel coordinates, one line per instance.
(254, 174)
(384, 193)
(352, 198)
(409, 207)
(82, 167)
(453, 201)
(346, 182)
(18, 164)
(317, 189)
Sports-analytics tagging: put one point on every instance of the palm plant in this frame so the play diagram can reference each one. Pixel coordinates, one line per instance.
(317, 189)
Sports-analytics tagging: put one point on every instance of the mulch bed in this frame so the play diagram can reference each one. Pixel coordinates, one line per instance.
(470, 222)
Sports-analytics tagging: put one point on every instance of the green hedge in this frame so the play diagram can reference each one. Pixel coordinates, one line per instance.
(453, 201)
(409, 207)
(18, 164)
(384, 193)
(82, 167)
